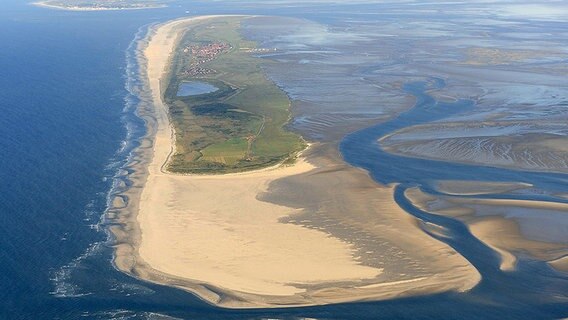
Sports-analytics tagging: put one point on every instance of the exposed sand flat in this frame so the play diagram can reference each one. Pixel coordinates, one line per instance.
(214, 229)
(527, 145)
(560, 263)
(510, 227)
(317, 232)
(500, 235)
(478, 187)
(490, 56)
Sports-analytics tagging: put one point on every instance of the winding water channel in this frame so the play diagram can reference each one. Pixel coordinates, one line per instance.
(533, 290)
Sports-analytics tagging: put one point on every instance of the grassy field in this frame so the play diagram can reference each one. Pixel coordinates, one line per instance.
(238, 127)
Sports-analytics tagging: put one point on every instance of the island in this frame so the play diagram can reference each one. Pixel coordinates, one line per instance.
(228, 204)
(96, 5)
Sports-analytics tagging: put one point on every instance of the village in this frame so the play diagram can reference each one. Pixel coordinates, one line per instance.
(201, 54)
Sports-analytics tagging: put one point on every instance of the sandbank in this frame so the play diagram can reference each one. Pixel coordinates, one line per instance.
(509, 227)
(470, 188)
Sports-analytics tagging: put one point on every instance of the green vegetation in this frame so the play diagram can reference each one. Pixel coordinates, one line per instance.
(238, 127)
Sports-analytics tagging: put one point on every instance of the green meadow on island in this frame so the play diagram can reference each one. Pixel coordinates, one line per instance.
(238, 127)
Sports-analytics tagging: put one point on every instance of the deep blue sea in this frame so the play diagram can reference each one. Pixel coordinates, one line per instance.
(67, 125)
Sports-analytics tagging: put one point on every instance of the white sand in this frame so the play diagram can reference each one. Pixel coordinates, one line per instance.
(213, 229)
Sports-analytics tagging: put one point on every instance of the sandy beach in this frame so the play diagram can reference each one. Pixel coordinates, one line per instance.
(315, 232)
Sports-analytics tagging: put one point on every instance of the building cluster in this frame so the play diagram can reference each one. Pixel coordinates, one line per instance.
(207, 51)
(203, 54)
(197, 72)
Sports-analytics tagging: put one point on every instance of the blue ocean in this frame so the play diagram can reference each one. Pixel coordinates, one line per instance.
(67, 127)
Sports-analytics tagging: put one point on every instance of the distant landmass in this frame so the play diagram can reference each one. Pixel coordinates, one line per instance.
(92, 5)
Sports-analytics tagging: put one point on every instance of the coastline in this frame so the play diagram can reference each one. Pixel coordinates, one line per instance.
(207, 208)
(45, 4)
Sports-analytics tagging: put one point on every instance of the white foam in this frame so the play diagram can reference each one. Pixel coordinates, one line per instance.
(63, 287)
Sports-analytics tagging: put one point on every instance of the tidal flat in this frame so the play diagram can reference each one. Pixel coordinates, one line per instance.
(357, 222)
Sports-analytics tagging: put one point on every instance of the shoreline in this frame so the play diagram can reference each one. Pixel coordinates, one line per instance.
(243, 280)
(45, 4)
